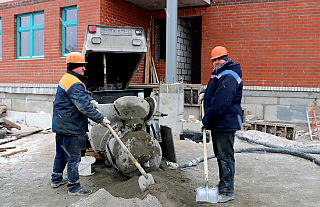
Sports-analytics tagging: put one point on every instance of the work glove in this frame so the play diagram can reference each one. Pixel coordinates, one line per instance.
(201, 97)
(105, 122)
(94, 104)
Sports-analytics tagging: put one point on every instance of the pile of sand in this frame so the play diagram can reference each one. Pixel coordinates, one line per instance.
(104, 198)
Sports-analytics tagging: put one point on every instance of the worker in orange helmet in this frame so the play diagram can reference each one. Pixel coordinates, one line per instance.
(223, 115)
(72, 106)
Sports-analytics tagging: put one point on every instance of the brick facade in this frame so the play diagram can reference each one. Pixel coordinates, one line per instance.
(277, 42)
(52, 66)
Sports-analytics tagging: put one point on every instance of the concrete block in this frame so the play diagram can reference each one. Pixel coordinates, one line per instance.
(260, 100)
(184, 72)
(181, 65)
(7, 102)
(251, 117)
(16, 96)
(40, 106)
(296, 101)
(16, 116)
(183, 59)
(191, 110)
(256, 109)
(186, 30)
(187, 66)
(171, 100)
(188, 78)
(178, 46)
(42, 120)
(292, 114)
(40, 97)
(19, 104)
(183, 47)
(283, 94)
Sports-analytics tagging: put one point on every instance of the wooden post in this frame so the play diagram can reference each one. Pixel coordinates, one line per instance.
(104, 71)
(147, 62)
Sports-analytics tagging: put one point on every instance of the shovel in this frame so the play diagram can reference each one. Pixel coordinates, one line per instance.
(206, 194)
(145, 179)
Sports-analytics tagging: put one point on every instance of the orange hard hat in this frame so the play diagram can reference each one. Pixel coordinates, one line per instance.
(218, 52)
(75, 57)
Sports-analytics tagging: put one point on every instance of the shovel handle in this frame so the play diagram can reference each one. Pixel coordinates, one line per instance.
(204, 137)
(127, 151)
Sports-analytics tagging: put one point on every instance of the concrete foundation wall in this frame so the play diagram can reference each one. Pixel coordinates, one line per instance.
(281, 106)
(35, 103)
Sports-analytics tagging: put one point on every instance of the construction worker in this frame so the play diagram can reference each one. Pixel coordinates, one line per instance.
(72, 107)
(223, 115)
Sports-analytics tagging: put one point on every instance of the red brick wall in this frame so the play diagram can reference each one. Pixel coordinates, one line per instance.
(277, 43)
(52, 66)
(119, 13)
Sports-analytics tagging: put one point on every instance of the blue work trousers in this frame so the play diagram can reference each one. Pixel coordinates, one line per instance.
(223, 142)
(68, 153)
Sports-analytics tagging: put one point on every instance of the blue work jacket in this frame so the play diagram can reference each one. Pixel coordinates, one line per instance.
(72, 106)
(222, 100)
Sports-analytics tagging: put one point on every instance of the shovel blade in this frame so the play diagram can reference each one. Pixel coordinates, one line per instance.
(206, 194)
(145, 182)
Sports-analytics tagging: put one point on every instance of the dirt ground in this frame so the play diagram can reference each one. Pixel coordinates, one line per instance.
(262, 179)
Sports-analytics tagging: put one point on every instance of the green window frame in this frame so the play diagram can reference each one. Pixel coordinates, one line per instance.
(0, 39)
(30, 35)
(69, 30)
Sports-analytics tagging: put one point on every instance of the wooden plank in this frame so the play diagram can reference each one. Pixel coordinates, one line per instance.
(155, 71)
(7, 147)
(25, 132)
(147, 61)
(3, 149)
(8, 123)
(13, 153)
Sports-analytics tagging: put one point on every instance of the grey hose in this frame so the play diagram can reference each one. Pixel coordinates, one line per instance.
(281, 150)
(276, 146)
(193, 162)
(275, 149)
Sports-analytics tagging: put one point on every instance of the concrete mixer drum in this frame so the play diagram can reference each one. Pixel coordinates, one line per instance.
(143, 147)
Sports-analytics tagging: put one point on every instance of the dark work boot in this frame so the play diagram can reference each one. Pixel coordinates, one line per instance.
(225, 197)
(82, 191)
(62, 182)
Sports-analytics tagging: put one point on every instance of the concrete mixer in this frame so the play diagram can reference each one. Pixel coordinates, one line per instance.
(114, 55)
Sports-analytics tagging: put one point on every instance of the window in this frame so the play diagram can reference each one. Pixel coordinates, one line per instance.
(69, 30)
(0, 39)
(30, 35)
